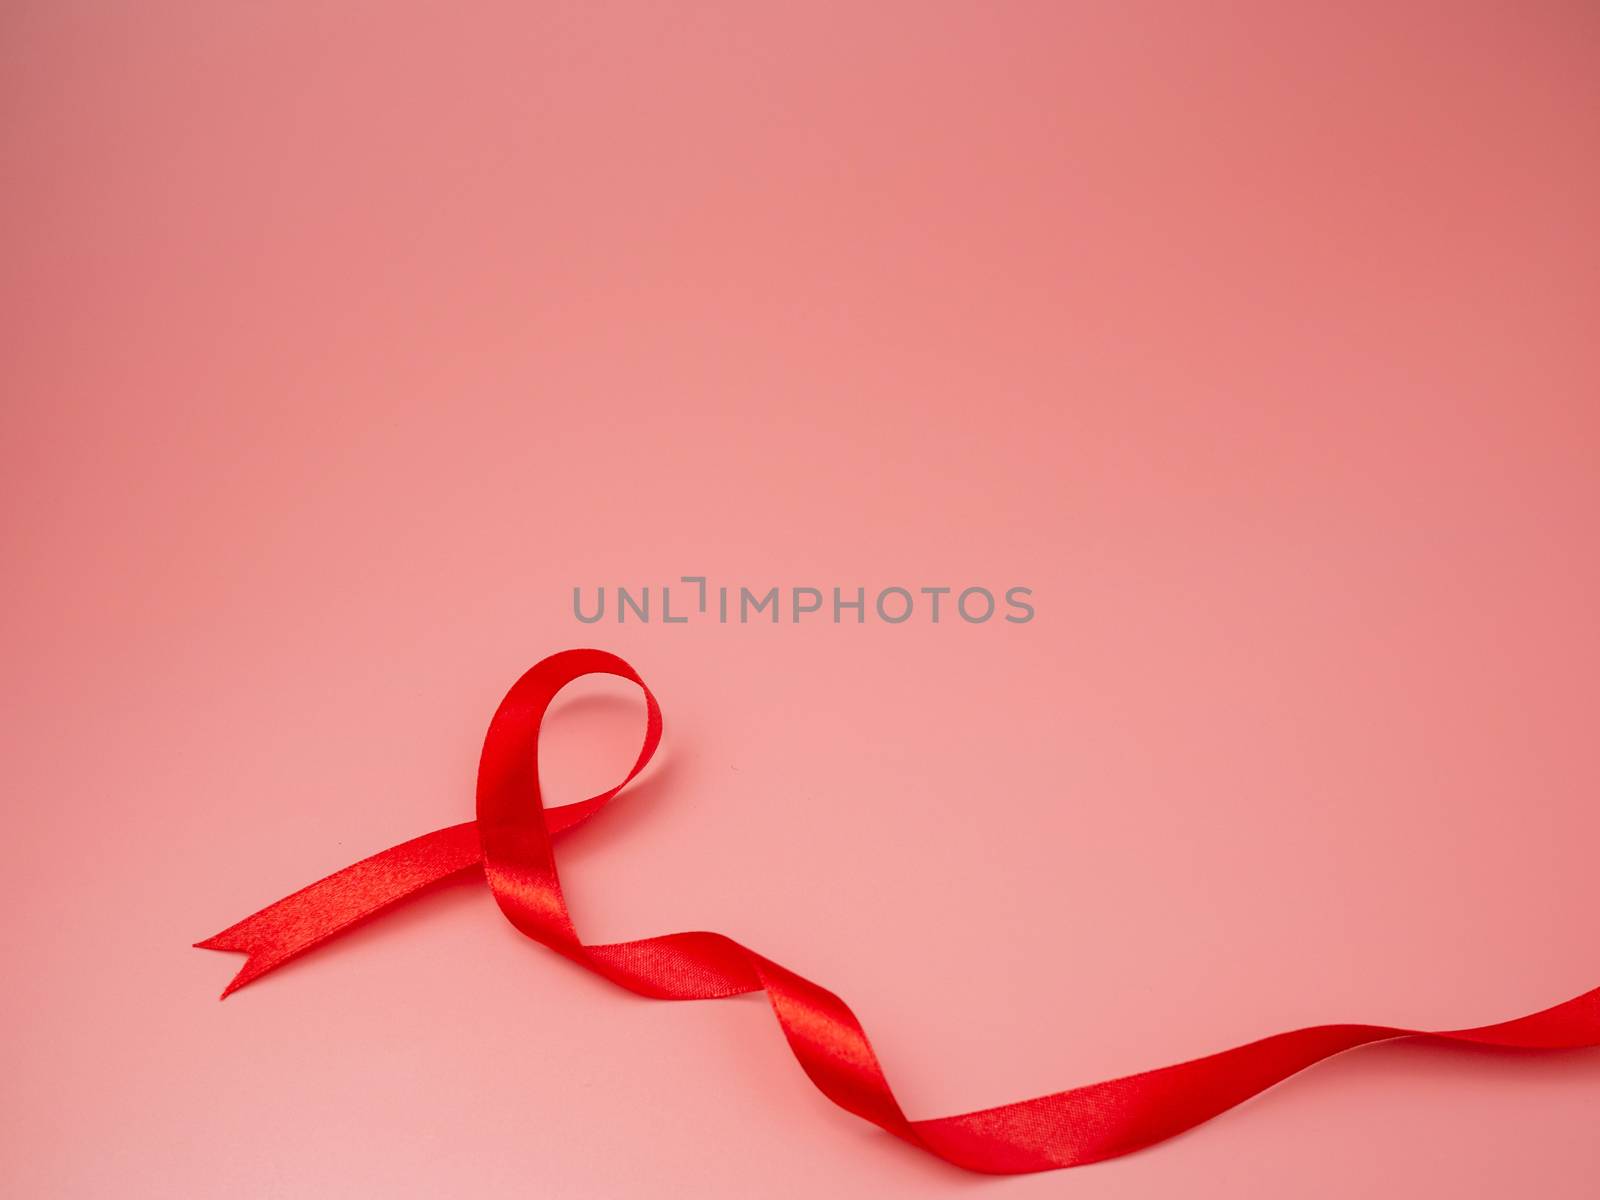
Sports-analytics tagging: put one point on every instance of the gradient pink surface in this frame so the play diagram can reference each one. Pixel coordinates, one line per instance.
(343, 341)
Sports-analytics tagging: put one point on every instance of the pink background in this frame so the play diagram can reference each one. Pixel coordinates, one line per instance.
(342, 341)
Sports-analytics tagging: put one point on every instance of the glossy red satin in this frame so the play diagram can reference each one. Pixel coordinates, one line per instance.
(511, 842)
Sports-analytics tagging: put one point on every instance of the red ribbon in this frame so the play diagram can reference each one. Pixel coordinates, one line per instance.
(511, 839)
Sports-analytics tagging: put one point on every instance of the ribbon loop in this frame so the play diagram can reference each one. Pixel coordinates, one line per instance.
(517, 857)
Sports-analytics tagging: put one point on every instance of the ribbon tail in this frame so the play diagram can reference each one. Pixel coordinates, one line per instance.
(324, 909)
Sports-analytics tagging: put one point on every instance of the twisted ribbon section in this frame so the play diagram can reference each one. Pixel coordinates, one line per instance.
(511, 842)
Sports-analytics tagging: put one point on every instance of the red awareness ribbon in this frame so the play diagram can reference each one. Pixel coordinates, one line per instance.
(511, 842)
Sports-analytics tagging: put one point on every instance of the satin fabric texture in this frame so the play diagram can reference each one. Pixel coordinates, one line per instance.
(511, 843)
